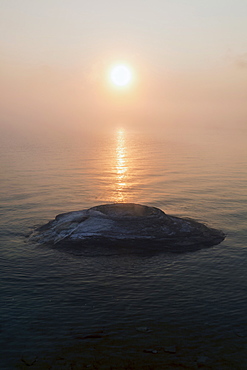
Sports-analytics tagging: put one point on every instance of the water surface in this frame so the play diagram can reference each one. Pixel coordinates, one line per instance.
(52, 299)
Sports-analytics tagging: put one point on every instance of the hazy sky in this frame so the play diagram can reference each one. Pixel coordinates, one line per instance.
(189, 58)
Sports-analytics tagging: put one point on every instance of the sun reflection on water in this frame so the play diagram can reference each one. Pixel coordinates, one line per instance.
(121, 167)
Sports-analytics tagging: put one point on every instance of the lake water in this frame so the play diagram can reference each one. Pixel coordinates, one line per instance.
(104, 309)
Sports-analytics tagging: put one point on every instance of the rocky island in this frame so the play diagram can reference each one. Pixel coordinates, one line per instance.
(127, 224)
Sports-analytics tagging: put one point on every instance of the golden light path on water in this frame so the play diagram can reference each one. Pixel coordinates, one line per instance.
(121, 166)
(128, 176)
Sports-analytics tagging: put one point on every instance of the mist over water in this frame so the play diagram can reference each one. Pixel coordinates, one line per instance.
(196, 301)
(174, 138)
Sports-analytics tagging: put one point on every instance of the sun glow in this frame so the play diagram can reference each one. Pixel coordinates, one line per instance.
(121, 75)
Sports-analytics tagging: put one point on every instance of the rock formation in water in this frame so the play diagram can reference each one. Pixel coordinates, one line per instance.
(128, 224)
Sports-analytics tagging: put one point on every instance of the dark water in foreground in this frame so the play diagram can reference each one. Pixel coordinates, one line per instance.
(102, 308)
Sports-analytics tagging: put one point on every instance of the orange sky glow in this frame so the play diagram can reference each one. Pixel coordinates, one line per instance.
(188, 63)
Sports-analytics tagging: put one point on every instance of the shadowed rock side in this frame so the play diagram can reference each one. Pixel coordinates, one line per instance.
(127, 224)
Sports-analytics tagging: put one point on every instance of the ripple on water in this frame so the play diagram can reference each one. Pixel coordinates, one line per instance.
(52, 299)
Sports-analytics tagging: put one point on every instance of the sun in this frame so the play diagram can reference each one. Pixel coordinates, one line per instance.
(121, 75)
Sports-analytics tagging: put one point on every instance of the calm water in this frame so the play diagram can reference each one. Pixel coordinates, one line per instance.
(52, 299)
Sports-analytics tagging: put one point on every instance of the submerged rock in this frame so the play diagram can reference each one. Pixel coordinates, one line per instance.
(127, 224)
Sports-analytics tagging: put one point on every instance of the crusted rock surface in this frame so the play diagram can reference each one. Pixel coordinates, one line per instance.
(127, 224)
